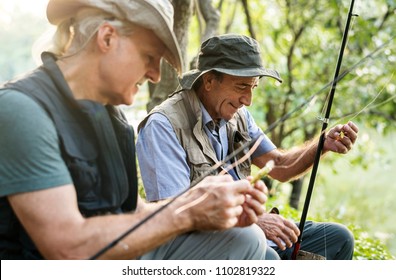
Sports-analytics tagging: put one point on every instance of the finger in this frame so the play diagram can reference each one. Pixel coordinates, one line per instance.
(225, 198)
(353, 126)
(287, 236)
(238, 200)
(279, 243)
(259, 196)
(340, 147)
(349, 130)
(233, 212)
(229, 223)
(350, 133)
(348, 143)
(260, 185)
(335, 135)
(287, 242)
(250, 215)
(293, 227)
(291, 236)
(344, 145)
(255, 206)
(240, 186)
(339, 135)
(238, 210)
(335, 131)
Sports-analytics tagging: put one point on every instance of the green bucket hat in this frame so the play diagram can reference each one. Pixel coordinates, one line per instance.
(232, 54)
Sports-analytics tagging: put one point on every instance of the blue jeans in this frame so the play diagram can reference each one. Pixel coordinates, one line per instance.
(331, 240)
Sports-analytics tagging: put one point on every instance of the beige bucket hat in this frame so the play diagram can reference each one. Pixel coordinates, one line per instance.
(156, 15)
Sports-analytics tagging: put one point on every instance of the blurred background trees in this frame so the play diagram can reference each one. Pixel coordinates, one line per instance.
(300, 39)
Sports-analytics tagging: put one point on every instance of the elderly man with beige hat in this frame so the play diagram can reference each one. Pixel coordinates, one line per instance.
(68, 179)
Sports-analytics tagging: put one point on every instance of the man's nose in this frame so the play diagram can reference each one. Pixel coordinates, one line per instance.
(246, 99)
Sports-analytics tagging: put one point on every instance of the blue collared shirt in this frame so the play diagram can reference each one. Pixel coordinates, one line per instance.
(217, 133)
(163, 161)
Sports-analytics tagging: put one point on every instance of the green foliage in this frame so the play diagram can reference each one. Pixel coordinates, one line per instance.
(301, 40)
(366, 247)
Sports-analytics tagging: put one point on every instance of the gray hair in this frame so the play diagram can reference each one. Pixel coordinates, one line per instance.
(74, 34)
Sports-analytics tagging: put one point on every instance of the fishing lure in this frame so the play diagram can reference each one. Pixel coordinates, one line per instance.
(263, 171)
(341, 136)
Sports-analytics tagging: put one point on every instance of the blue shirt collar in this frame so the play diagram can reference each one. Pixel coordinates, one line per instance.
(207, 119)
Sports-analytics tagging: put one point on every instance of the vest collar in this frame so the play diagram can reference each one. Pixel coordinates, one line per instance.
(53, 70)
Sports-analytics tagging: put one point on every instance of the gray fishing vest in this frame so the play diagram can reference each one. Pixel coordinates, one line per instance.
(183, 111)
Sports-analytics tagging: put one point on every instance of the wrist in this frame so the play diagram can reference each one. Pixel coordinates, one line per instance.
(182, 218)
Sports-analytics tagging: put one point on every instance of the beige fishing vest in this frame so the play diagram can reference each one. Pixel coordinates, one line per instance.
(183, 111)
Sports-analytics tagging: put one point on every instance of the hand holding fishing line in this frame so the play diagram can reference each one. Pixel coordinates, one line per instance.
(341, 138)
(255, 199)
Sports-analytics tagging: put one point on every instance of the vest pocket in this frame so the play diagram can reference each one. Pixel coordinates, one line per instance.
(85, 175)
(199, 164)
(81, 156)
(238, 140)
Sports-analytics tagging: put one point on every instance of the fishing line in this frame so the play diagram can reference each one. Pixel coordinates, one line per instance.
(148, 217)
(326, 86)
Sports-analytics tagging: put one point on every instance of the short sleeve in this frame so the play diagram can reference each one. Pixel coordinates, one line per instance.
(162, 160)
(30, 157)
(255, 132)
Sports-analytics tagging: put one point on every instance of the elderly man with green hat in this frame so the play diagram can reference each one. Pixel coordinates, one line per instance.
(202, 123)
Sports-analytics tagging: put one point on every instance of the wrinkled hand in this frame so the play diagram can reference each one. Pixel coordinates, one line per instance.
(218, 203)
(341, 138)
(281, 231)
(254, 204)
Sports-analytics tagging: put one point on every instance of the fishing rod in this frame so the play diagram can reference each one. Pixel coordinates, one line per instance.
(322, 137)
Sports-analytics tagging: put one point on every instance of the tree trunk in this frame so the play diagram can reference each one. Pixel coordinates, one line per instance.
(211, 17)
(296, 192)
(169, 82)
(182, 18)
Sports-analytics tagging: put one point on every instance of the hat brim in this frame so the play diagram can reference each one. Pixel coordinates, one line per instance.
(189, 78)
(59, 10)
(165, 33)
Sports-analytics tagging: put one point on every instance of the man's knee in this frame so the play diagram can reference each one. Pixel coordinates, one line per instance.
(250, 243)
(340, 242)
(271, 254)
(348, 241)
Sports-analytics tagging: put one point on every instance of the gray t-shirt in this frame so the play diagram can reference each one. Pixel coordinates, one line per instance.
(30, 158)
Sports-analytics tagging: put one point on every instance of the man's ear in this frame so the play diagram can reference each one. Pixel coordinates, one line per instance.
(207, 80)
(106, 36)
